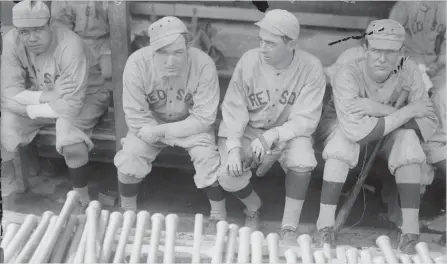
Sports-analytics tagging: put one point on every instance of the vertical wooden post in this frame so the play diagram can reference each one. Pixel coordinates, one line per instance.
(119, 19)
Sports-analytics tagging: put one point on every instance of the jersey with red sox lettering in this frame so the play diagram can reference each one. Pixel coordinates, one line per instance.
(262, 97)
(425, 23)
(67, 55)
(151, 98)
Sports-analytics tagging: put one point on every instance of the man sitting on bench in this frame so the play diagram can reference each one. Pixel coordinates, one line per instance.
(170, 98)
(364, 92)
(47, 78)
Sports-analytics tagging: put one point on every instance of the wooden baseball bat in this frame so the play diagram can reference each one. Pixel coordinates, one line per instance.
(273, 244)
(157, 226)
(405, 259)
(379, 260)
(341, 254)
(244, 245)
(365, 256)
(19, 240)
(128, 222)
(63, 240)
(347, 205)
(38, 252)
(352, 255)
(142, 222)
(80, 250)
(219, 244)
(103, 222)
(47, 248)
(319, 256)
(291, 258)
(198, 231)
(115, 220)
(385, 246)
(93, 212)
(76, 240)
(35, 238)
(231, 244)
(424, 253)
(171, 230)
(417, 259)
(304, 241)
(257, 237)
(10, 232)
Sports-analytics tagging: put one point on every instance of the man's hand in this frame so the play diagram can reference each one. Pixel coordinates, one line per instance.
(432, 69)
(369, 107)
(64, 85)
(234, 163)
(271, 136)
(151, 134)
(199, 140)
(422, 108)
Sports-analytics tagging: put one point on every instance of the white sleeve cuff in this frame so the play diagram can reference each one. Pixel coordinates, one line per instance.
(28, 97)
(41, 110)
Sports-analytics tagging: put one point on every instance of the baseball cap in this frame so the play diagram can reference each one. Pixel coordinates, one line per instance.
(29, 13)
(385, 34)
(280, 22)
(165, 31)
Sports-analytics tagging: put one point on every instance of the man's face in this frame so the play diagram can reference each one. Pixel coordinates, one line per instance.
(273, 48)
(381, 62)
(36, 39)
(172, 58)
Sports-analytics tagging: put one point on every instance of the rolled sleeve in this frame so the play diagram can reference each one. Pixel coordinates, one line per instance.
(13, 73)
(136, 108)
(74, 63)
(235, 114)
(345, 92)
(306, 112)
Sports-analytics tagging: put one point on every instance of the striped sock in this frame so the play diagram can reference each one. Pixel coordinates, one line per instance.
(408, 179)
(218, 210)
(296, 189)
(335, 174)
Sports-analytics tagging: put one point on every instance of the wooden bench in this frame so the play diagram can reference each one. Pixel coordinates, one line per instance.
(109, 131)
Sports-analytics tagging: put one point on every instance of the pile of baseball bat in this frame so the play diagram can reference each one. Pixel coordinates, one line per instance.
(99, 236)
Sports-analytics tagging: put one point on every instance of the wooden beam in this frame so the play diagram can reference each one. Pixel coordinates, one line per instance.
(248, 15)
(119, 18)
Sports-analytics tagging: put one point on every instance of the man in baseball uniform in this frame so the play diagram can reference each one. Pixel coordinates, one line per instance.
(364, 94)
(90, 20)
(170, 98)
(425, 26)
(47, 77)
(271, 108)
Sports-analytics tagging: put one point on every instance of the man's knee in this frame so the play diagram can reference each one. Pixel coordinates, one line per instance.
(76, 155)
(299, 155)
(406, 149)
(338, 147)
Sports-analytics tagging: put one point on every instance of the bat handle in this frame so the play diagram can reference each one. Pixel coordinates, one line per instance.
(232, 243)
(244, 245)
(157, 225)
(171, 230)
(304, 241)
(341, 254)
(273, 242)
(319, 256)
(365, 256)
(142, 221)
(384, 244)
(424, 253)
(257, 237)
(222, 227)
(352, 254)
(198, 231)
(291, 258)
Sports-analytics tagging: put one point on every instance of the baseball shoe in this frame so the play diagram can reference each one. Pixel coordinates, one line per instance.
(325, 235)
(211, 226)
(407, 243)
(252, 219)
(442, 240)
(288, 235)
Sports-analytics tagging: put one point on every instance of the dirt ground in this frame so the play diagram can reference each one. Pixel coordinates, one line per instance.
(173, 191)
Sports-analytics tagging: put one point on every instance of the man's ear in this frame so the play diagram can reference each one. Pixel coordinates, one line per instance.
(291, 45)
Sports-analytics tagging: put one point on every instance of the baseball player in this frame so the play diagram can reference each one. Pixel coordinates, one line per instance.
(425, 25)
(170, 98)
(271, 108)
(362, 111)
(47, 77)
(89, 19)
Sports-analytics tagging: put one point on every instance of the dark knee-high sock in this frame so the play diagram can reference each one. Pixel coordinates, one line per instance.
(128, 193)
(216, 196)
(408, 179)
(249, 197)
(335, 174)
(79, 178)
(296, 189)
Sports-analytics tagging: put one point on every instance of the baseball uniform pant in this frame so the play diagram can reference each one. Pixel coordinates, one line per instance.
(435, 147)
(135, 159)
(405, 157)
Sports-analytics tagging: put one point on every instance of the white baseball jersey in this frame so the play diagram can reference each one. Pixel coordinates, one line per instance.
(89, 19)
(22, 70)
(262, 97)
(424, 23)
(151, 98)
(352, 82)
